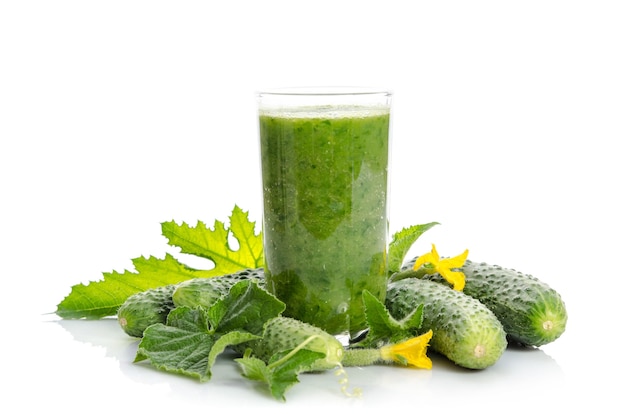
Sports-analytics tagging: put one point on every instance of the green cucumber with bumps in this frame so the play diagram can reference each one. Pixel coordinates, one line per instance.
(144, 309)
(204, 292)
(464, 330)
(153, 305)
(285, 334)
(532, 313)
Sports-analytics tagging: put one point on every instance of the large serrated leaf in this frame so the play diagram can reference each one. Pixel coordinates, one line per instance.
(102, 298)
(213, 244)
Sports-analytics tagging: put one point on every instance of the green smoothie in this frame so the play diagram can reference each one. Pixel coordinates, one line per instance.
(325, 211)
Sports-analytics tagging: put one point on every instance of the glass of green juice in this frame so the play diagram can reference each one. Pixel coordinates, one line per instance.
(324, 161)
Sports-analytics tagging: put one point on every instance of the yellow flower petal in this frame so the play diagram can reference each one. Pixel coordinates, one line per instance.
(434, 252)
(456, 279)
(456, 261)
(423, 259)
(444, 266)
(411, 352)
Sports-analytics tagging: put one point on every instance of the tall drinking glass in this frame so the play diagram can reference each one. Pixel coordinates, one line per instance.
(324, 159)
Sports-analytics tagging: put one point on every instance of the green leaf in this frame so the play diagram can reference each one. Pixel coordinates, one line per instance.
(191, 340)
(384, 328)
(254, 368)
(282, 370)
(102, 298)
(213, 244)
(402, 241)
(186, 345)
(246, 307)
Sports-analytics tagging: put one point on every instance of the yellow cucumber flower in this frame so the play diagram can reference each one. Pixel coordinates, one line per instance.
(444, 267)
(411, 352)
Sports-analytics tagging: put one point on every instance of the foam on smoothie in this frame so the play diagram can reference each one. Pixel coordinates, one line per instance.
(332, 112)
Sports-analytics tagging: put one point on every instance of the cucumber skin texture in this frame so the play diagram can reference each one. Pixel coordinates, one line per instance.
(532, 313)
(204, 292)
(284, 333)
(464, 330)
(144, 309)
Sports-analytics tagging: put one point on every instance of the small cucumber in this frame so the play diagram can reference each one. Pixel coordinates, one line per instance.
(204, 292)
(144, 309)
(532, 313)
(464, 330)
(283, 333)
(153, 305)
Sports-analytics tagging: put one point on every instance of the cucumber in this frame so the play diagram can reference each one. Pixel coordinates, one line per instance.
(464, 330)
(532, 313)
(204, 292)
(283, 334)
(283, 338)
(153, 305)
(144, 309)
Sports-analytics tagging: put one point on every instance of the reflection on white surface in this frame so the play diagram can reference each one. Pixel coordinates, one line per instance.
(80, 366)
(519, 373)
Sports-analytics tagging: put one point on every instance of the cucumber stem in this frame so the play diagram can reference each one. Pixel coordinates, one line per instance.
(361, 357)
(419, 274)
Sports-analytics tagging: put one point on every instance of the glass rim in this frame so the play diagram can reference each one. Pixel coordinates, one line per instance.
(323, 91)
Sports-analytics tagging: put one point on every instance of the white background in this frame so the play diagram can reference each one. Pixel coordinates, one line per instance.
(508, 125)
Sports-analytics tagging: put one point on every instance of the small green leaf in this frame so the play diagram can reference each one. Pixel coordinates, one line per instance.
(254, 368)
(192, 339)
(384, 328)
(402, 241)
(186, 345)
(247, 307)
(281, 372)
(213, 244)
